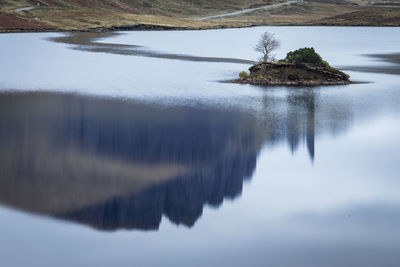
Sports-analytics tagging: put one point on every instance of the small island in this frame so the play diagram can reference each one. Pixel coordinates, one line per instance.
(297, 74)
(302, 67)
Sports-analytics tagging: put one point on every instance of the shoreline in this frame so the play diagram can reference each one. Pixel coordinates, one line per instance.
(154, 27)
(292, 74)
(293, 83)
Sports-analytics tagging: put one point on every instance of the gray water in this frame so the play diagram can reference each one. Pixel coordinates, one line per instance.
(114, 154)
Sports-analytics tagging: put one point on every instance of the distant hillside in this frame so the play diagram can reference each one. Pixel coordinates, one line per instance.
(54, 15)
(160, 7)
(91, 14)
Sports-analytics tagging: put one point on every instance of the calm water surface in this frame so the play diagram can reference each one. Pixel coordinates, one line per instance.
(129, 150)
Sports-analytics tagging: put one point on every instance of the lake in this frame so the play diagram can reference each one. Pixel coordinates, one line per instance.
(133, 149)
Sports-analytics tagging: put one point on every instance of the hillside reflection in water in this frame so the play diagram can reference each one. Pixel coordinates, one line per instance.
(115, 164)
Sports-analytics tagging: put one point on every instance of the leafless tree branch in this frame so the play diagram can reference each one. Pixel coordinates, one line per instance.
(266, 45)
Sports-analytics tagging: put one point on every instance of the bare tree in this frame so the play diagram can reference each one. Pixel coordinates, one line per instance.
(266, 45)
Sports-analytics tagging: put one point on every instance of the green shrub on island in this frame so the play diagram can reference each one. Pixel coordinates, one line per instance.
(306, 55)
(243, 74)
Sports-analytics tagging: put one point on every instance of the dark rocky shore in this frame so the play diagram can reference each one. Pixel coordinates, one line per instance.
(299, 74)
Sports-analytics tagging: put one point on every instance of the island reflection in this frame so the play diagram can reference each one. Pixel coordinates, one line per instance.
(115, 164)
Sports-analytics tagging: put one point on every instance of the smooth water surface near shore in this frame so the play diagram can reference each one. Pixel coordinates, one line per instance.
(131, 149)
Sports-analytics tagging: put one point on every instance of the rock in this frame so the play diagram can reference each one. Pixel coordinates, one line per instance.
(300, 74)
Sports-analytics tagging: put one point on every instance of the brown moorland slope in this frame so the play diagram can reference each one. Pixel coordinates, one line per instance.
(96, 15)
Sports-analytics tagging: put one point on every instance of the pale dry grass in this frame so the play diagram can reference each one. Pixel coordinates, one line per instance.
(71, 17)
